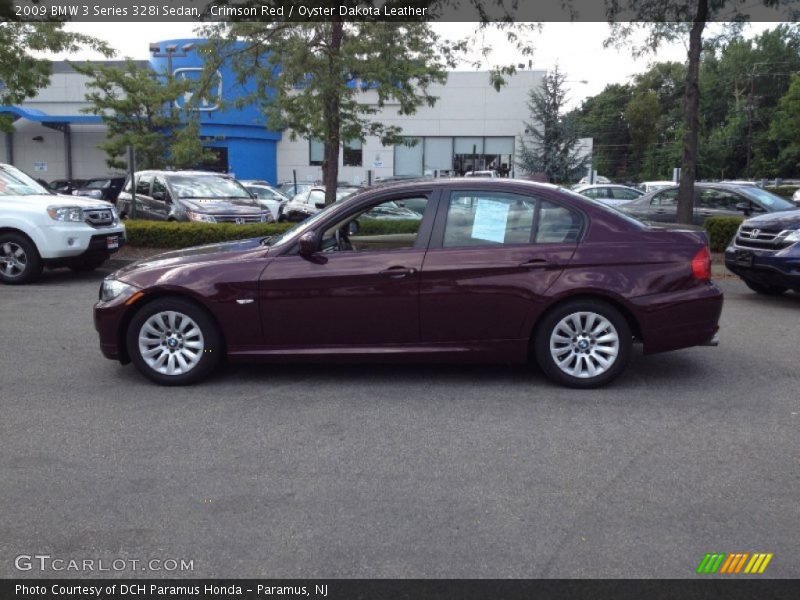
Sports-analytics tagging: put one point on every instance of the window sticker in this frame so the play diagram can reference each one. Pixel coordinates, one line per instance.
(491, 219)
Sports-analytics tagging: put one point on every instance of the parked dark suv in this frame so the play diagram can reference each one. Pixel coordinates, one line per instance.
(765, 253)
(191, 196)
(496, 270)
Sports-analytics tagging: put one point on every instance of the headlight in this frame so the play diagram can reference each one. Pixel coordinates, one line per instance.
(193, 216)
(72, 214)
(791, 235)
(112, 288)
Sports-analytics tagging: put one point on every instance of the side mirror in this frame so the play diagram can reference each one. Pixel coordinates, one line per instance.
(352, 228)
(319, 204)
(159, 196)
(308, 243)
(744, 207)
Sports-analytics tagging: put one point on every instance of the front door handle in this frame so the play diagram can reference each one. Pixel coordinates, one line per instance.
(398, 272)
(535, 263)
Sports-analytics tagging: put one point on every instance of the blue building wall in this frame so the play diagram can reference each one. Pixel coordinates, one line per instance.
(252, 149)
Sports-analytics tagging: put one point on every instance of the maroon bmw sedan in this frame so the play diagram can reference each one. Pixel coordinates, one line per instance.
(495, 271)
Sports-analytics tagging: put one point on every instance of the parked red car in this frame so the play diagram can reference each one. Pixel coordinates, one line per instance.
(495, 271)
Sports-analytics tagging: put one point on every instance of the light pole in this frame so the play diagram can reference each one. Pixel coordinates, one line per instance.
(169, 52)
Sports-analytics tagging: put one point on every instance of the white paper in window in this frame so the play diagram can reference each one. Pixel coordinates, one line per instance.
(491, 219)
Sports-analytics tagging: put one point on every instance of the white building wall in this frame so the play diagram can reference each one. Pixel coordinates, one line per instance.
(467, 106)
(46, 159)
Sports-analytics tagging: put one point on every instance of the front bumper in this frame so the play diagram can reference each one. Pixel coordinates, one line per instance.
(64, 241)
(765, 266)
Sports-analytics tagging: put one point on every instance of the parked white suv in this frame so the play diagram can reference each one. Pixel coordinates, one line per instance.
(39, 229)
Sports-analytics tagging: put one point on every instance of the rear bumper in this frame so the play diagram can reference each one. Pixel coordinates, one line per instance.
(680, 319)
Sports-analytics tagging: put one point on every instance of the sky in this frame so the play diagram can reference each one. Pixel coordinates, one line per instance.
(577, 48)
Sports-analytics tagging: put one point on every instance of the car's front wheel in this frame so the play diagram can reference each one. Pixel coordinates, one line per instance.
(173, 341)
(765, 288)
(583, 343)
(19, 260)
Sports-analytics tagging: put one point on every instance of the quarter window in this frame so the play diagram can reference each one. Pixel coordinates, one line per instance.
(557, 225)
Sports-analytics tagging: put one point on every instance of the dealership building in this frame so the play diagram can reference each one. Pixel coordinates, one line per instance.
(471, 126)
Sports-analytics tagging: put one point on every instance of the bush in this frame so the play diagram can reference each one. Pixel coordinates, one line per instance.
(721, 231)
(785, 191)
(173, 234)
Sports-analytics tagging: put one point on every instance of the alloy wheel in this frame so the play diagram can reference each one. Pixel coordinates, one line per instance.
(584, 344)
(171, 343)
(13, 260)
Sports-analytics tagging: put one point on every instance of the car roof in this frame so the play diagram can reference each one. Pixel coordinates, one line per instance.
(194, 173)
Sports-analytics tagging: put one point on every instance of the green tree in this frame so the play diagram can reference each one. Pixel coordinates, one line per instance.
(138, 108)
(313, 78)
(677, 20)
(329, 80)
(552, 144)
(784, 131)
(602, 118)
(21, 73)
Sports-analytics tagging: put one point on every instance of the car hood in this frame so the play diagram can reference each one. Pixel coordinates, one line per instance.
(185, 256)
(45, 200)
(245, 206)
(788, 219)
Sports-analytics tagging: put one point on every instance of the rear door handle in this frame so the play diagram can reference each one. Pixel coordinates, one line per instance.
(535, 263)
(397, 272)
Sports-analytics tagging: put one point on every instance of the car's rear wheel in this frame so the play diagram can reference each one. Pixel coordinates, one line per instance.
(19, 260)
(174, 342)
(583, 343)
(765, 288)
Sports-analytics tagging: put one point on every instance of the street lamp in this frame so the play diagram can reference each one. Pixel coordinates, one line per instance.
(169, 52)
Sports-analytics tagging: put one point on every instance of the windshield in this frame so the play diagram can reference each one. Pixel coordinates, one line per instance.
(206, 187)
(97, 184)
(14, 182)
(767, 199)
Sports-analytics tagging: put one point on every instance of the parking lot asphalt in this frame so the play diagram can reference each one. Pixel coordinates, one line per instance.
(397, 471)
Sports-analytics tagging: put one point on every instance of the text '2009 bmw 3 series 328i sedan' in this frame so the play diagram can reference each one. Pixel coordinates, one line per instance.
(494, 271)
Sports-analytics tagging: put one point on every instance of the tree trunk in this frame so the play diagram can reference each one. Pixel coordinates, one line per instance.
(691, 121)
(332, 100)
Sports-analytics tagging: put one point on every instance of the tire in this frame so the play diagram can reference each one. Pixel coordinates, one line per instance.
(87, 265)
(19, 259)
(174, 327)
(765, 288)
(583, 343)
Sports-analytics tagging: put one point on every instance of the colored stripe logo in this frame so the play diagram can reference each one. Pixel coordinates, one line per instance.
(734, 563)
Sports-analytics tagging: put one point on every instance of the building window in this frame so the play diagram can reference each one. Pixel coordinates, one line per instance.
(316, 152)
(352, 153)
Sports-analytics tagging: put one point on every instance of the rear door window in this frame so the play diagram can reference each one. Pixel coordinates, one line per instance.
(488, 219)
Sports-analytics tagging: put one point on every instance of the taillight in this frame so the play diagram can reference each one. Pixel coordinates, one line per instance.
(701, 264)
